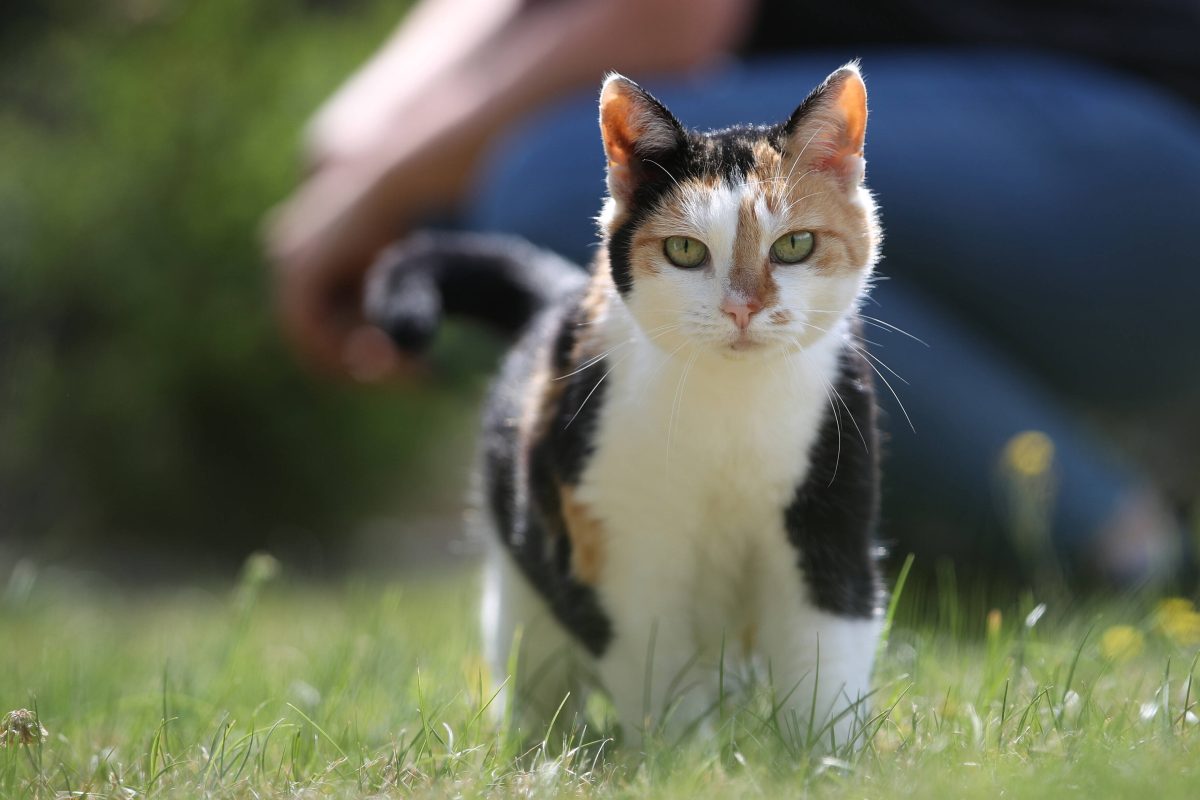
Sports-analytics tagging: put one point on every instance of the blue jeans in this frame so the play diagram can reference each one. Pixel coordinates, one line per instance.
(1041, 219)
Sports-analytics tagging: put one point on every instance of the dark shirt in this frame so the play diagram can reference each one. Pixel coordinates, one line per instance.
(1157, 39)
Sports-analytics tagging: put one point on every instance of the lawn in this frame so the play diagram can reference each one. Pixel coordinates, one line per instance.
(274, 687)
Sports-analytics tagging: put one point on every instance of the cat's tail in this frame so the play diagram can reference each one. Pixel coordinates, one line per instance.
(500, 280)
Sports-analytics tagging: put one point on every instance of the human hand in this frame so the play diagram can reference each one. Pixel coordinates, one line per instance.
(321, 241)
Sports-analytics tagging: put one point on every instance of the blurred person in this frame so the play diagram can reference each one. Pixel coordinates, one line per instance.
(1039, 169)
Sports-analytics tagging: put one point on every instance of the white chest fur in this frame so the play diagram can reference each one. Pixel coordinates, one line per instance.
(695, 450)
(696, 456)
(695, 461)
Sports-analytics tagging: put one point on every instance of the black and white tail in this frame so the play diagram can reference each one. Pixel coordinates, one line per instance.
(500, 280)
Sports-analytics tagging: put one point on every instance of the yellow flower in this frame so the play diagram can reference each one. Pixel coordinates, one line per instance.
(1177, 619)
(994, 620)
(1121, 642)
(1029, 453)
(1174, 605)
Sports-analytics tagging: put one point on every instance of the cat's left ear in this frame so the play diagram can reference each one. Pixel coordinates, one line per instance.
(639, 134)
(828, 129)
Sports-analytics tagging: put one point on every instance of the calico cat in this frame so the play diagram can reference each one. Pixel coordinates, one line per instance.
(679, 457)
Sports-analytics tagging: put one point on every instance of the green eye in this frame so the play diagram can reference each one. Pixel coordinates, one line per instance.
(792, 248)
(684, 251)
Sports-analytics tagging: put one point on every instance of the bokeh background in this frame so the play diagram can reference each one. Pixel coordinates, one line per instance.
(150, 417)
(156, 435)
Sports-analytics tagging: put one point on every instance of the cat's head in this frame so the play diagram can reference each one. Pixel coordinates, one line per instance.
(748, 240)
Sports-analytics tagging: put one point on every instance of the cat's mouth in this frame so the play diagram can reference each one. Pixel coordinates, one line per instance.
(745, 344)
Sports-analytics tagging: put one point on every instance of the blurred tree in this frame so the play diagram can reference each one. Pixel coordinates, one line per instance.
(144, 397)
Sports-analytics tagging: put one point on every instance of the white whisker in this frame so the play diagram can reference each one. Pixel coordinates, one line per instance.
(801, 199)
(868, 357)
(868, 354)
(820, 128)
(664, 169)
(594, 388)
(837, 420)
(658, 369)
(878, 323)
(850, 413)
(793, 184)
(875, 322)
(651, 335)
(676, 405)
(800, 155)
(596, 359)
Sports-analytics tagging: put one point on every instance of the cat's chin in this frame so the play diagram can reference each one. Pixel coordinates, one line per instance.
(746, 349)
(746, 345)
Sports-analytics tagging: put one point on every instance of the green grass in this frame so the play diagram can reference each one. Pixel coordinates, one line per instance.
(281, 689)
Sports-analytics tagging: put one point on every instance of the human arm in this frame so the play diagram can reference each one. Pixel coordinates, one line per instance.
(418, 150)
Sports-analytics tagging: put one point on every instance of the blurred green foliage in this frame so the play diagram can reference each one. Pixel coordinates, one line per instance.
(144, 395)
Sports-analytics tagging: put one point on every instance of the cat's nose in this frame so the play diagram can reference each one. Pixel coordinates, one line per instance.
(741, 309)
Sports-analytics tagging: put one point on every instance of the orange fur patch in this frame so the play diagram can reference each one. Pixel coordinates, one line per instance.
(815, 200)
(767, 161)
(587, 538)
(751, 272)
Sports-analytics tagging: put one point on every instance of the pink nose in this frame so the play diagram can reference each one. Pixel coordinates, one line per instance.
(741, 310)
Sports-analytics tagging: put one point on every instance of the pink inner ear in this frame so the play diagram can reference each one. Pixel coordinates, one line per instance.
(845, 147)
(624, 121)
(617, 113)
(616, 129)
(852, 107)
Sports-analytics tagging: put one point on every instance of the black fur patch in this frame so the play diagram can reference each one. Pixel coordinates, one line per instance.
(778, 134)
(833, 518)
(523, 488)
(499, 280)
(572, 434)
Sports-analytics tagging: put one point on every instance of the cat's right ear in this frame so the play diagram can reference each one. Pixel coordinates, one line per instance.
(639, 133)
(830, 125)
